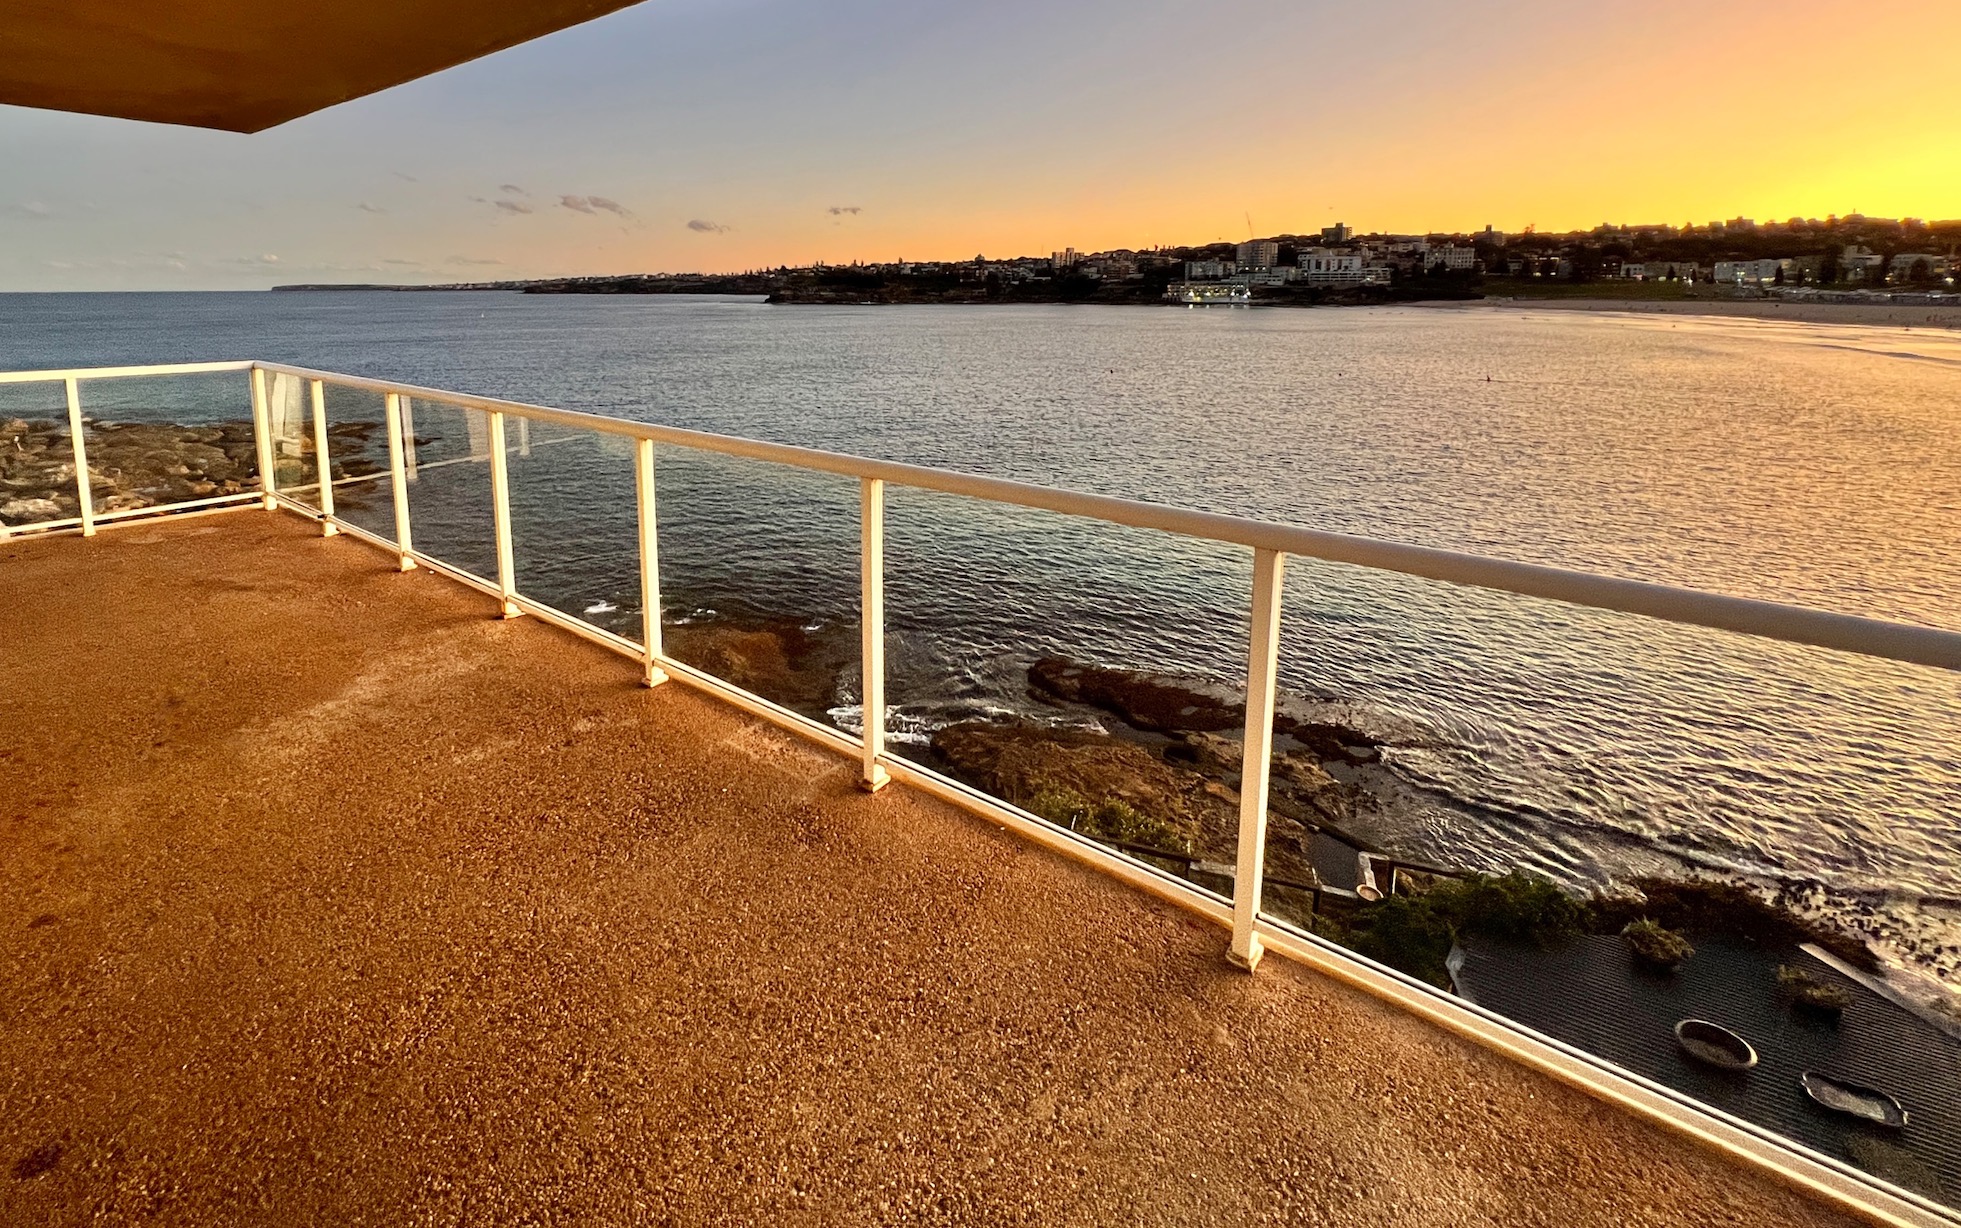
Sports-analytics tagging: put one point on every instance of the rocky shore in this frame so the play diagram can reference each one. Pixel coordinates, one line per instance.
(149, 464)
(1151, 763)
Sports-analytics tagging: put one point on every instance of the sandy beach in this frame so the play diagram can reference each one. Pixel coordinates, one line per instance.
(1915, 316)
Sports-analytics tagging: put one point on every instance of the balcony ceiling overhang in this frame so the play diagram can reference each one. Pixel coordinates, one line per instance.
(245, 65)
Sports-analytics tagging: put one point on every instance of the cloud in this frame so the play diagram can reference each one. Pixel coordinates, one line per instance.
(35, 208)
(470, 260)
(268, 258)
(592, 205)
(399, 260)
(513, 189)
(835, 210)
(365, 207)
(400, 175)
(512, 206)
(707, 227)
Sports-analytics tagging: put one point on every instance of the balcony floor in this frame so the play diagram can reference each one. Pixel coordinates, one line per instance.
(328, 898)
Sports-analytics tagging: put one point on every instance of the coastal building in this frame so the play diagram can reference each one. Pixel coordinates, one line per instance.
(1340, 232)
(1322, 266)
(1861, 263)
(1490, 237)
(1064, 259)
(1908, 267)
(1755, 272)
(1258, 254)
(1271, 276)
(1451, 258)
(1209, 270)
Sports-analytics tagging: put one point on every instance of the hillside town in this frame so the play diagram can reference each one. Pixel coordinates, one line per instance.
(1852, 258)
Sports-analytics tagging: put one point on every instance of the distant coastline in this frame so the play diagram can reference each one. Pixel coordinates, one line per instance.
(1877, 313)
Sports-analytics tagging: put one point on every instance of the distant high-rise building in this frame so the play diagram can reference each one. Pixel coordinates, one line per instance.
(1490, 237)
(1340, 232)
(1258, 254)
(1064, 259)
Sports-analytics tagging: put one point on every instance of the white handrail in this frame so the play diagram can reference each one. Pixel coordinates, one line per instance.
(1872, 637)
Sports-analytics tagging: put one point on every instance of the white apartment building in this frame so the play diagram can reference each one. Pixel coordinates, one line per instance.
(1322, 266)
(1208, 270)
(1453, 258)
(1258, 254)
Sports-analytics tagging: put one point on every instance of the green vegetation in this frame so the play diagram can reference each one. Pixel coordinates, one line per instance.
(1108, 820)
(1807, 990)
(1414, 933)
(1655, 944)
(1731, 910)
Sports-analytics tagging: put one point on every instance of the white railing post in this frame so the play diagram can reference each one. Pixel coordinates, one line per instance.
(871, 618)
(398, 475)
(84, 492)
(262, 436)
(524, 436)
(500, 511)
(643, 489)
(323, 464)
(1256, 763)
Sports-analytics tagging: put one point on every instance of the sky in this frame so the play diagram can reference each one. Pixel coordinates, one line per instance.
(720, 135)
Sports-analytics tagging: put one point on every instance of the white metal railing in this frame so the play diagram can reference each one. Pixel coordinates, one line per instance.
(1252, 930)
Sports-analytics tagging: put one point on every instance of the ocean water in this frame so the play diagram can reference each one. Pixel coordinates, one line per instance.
(1808, 463)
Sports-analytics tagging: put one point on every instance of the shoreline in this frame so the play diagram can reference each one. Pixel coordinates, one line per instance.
(1878, 314)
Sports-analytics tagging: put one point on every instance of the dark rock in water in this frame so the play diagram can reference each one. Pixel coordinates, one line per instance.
(1330, 742)
(1160, 703)
(776, 658)
(1144, 701)
(1079, 777)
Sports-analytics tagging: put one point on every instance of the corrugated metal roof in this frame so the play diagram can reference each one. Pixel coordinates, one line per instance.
(1590, 994)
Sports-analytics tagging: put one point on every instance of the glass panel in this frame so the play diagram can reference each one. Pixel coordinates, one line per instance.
(37, 461)
(159, 440)
(1088, 673)
(448, 462)
(289, 419)
(759, 575)
(574, 523)
(357, 452)
(1602, 826)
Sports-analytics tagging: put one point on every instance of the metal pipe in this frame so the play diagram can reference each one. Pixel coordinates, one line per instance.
(398, 474)
(322, 463)
(1256, 758)
(262, 436)
(871, 621)
(168, 368)
(84, 492)
(500, 512)
(650, 610)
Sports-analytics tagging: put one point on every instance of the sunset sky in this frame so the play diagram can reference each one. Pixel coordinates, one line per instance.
(725, 134)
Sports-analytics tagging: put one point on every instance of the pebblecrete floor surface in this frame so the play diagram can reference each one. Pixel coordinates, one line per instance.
(327, 898)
